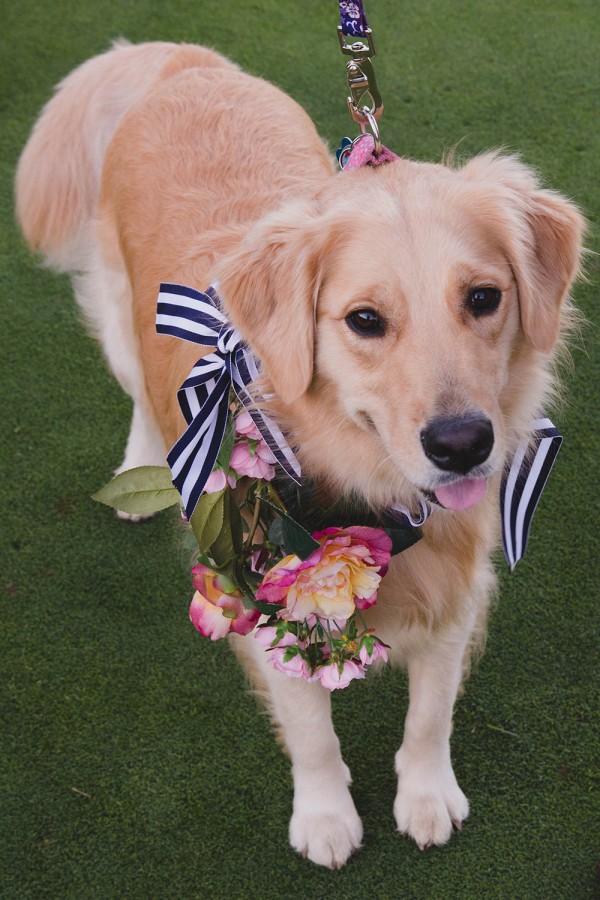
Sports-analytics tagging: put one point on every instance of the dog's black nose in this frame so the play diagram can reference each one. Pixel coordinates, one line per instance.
(458, 443)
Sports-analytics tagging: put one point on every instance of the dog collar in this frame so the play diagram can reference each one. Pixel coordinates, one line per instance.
(361, 152)
(204, 401)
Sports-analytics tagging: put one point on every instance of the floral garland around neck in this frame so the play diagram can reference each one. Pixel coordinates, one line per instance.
(255, 557)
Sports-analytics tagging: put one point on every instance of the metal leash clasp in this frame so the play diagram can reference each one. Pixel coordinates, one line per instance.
(364, 101)
(364, 94)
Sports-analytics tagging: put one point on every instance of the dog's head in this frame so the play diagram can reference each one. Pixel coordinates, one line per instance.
(406, 318)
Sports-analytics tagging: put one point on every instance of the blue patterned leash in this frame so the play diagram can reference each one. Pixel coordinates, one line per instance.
(353, 20)
(204, 396)
(364, 100)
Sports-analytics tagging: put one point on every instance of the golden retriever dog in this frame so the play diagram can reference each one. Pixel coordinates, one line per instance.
(406, 318)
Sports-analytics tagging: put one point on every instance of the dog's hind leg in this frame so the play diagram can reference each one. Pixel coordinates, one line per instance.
(429, 801)
(325, 826)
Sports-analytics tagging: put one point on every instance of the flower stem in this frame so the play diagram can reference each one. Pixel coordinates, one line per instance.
(329, 633)
(362, 621)
(253, 524)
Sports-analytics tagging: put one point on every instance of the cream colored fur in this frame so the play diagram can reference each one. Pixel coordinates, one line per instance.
(162, 162)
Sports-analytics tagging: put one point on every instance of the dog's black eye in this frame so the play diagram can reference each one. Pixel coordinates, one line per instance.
(484, 300)
(366, 322)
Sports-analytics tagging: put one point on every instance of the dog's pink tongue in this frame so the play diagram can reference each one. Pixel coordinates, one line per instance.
(462, 494)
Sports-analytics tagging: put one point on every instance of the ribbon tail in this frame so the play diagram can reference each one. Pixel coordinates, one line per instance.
(193, 456)
(243, 375)
(522, 487)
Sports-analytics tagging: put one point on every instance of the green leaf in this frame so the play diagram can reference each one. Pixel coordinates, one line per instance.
(241, 582)
(267, 609)
(226, 447)
(286, 532)
(276, 531)
(236, 525)
(141, 491)
(228, 543)
(207, 519)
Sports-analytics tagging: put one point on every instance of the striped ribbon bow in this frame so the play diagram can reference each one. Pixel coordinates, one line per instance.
(204, 396)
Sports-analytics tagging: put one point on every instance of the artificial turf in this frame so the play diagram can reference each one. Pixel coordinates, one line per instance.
(133, 764)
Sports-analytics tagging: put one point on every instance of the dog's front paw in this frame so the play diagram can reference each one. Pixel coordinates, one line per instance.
(326, 832)
(429, 802)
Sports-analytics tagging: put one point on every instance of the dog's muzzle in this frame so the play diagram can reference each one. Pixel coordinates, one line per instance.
(458, 443)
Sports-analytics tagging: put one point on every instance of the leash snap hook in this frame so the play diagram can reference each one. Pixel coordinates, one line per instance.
(364, 93)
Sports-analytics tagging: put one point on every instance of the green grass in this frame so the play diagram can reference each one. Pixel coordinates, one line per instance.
(133, 763)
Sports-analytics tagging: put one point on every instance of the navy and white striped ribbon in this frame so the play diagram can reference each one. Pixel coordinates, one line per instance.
(204, 396)
(523, 484)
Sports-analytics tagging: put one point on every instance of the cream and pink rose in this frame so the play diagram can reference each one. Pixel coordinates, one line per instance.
(343, 573)
(213, 612)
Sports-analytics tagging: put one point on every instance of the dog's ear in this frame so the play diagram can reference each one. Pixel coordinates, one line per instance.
(269, 287)
(548, 266)
(543, 234)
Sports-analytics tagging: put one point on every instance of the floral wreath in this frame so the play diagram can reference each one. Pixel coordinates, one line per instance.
(257, 556)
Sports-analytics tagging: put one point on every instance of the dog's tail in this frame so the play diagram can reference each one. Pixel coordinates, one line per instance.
(59, 173)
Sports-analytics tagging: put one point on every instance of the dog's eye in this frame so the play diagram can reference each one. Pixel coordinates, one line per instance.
(366, 322)
(484, 300)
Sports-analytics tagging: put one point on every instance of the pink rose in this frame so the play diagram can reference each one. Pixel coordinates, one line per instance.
(295, 666)
(255, 464)
(215, 613)
(378, 651)
(244, 425)
(331, 677)
(343, 573)
(217, 480)
(266, 636)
